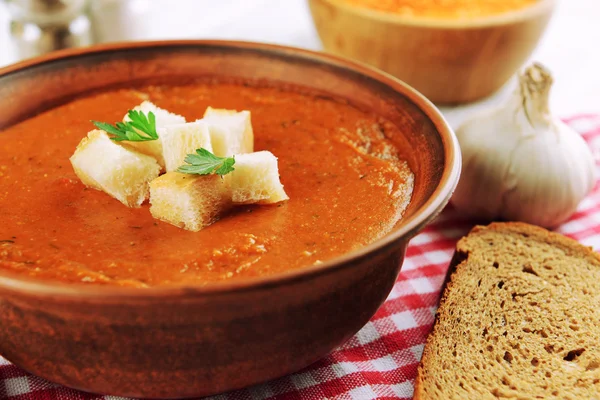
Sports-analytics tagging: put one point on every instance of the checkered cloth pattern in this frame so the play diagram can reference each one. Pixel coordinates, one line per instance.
(380, 361)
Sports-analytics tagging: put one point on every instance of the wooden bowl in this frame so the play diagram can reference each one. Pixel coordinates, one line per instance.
(194, 341)
(449, 61)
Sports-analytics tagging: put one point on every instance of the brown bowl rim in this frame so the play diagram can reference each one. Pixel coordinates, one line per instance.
(406, 230)
(541, 7)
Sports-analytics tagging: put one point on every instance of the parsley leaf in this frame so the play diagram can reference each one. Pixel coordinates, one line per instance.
(204, 163)
(139, 128)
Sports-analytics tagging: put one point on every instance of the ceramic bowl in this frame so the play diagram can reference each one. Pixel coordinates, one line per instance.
(449, 61)
(194, 341)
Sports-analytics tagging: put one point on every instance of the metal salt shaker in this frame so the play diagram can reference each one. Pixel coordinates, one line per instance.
(40, 26)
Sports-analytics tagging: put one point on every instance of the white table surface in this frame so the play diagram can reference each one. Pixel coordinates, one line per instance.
(570, 48)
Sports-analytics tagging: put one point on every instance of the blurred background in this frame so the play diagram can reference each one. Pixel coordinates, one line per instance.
(570, 46)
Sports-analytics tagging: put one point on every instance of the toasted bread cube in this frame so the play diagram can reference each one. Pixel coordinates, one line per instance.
(180, 140)
(163, 118)
(256, 179)
(151, 148)
(124, 174)
(230, 131)
(189, 201)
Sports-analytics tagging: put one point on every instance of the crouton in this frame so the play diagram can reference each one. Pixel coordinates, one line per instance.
(180, 140)
(104, 165)
(163, 118)
(256, 179)
(189, 201)
(230, 131)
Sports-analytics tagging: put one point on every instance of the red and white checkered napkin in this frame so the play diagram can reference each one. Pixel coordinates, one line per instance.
(380, 361)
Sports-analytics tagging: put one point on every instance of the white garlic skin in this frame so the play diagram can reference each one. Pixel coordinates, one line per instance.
(522, 164)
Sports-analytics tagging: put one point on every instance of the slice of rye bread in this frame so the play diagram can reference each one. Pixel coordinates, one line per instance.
(519, 318)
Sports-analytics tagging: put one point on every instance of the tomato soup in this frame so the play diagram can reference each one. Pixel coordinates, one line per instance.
(346, 182)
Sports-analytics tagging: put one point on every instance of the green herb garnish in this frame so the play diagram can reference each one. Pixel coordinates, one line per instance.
(204, 163)
(140, 128)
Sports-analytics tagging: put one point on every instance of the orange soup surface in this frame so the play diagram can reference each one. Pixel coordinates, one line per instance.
(346, 183)
(445, 9)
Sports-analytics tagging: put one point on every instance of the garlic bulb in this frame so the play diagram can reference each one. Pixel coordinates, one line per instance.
(520, 163)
